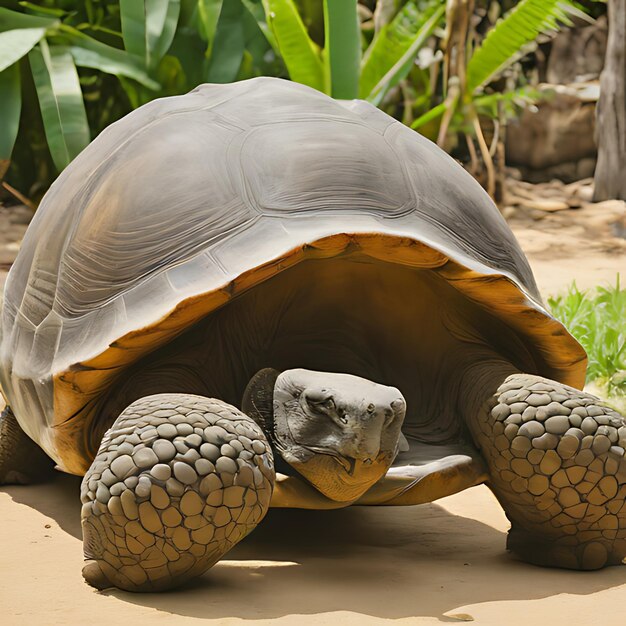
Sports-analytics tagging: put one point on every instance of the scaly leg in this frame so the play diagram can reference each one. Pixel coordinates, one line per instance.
(177, 482)
(557, 466)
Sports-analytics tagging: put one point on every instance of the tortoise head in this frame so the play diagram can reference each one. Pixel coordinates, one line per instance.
(340, 432)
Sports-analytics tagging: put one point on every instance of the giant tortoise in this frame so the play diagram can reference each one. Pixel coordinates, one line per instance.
(205, 296)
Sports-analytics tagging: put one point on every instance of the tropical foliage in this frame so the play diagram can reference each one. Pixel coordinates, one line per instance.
(68, 68)
(596, 319)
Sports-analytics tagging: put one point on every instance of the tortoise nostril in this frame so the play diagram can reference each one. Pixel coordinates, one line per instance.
(371, 408)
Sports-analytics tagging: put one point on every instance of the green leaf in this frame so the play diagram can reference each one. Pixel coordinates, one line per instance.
(300, 54)
(433, 114)
(14, 44)
(12, 20)
(161, 22)
(60, 101)
(148, 27)
(506, 40)
(10, 108)
(43, 10)
(132, 15)
(391, 43)
(342, 48)
(209, 11)
(402, 65)
(110, 60)
(255, 8)
(230, 44)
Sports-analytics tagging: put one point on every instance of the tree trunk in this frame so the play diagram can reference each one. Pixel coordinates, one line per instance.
(610, 175)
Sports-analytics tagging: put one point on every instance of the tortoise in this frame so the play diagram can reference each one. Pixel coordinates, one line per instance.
(204, 300)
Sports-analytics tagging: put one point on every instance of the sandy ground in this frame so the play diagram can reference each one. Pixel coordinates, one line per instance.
(442, 562)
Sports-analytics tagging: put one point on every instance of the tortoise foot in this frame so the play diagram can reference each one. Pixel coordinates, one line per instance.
(567, 552)
(177, 482)
(557, 464)
(22, 461)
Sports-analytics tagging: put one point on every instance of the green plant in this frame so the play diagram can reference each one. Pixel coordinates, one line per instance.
(597, 320)
(69, 68)
(342, 68)
(468, 70)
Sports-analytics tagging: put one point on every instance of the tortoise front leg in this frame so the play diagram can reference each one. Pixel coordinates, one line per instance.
(557, 466)
(177, 482)
(22, 461)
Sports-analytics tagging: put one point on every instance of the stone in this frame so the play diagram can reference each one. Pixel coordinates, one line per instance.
(209, 484)
(129, 505)
(221, 517)
(191, 504)
(258, 447)
(167, 431)
(557, 425)
(547, 441)
(568, 496)
(204, 467)
(538, 399)
(164, 449)
(159, 497)
(575, 474)
(142, 490)
(550, 463)
(145, 457)
(538, 484)
(499, 412)
(193, 440)
(532, 429)
(601, 444)
(161, 471)
(102, 494)
(122, 466)
(568, 446)
(174, 488)
(171, 517)
(210, 451)
(226, 464)
(180, 538)
(185, 473)
(516, 407)
(522, 467)
(529, 413)
(233, 496)
(510, 431)
(589, 426)
(203, 535)
(184, 429)
(149, 518)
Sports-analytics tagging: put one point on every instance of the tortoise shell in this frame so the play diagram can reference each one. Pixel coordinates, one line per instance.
(191, 201)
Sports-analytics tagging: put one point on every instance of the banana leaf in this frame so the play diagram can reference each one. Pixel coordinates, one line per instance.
(10, 109)
(506, 41)
(60, 101)
(402, 65)
(342, 48)
(300, 54)
(230, 44)
(392, 42)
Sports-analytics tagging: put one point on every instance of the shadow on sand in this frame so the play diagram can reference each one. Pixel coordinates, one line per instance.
(382, 562)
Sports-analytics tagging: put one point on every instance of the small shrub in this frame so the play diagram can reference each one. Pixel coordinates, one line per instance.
(597, 319)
